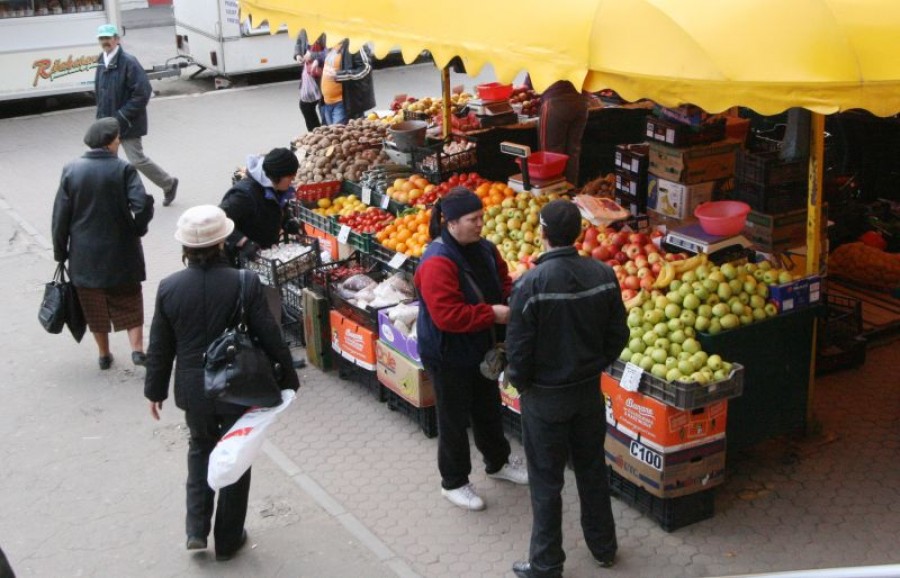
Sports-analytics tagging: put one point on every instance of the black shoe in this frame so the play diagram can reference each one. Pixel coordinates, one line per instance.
(523, 569)
(139, 358)
(169, 196)
(196, 543)
(105, 361)
(605, 563)
(225, 556)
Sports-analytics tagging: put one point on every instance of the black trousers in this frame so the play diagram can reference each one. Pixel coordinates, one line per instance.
(231, 510)
(310, 115)
(465, 396)
(555, 423)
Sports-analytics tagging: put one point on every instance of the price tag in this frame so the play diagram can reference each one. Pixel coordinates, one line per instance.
(344, 234)
(398, 260)
(385, 201)
(366, 195)
(631, 377)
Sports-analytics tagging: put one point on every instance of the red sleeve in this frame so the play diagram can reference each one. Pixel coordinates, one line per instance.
(438, 282)
(505, 280)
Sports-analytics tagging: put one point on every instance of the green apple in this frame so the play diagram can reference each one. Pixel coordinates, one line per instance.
(700, 377)
(771, 309)
(724, 291)
(714, 362)
(759, 313)
(757, 302)
(720, 375)
(704, 310)
(661, 329)
(729, 271)
(737, 307)
(721, 309)
(689, 331)
(688, 277)
(700, 292)
(672, 310)
(636, 344)
(702, 323)
(675, 297)
(662, 343)
(759, 274)
(702, 272)
(660, 303)
(675, 349)
(674, 285)
(764, 265)
(691, 302)
(690, 345)
(688, 317)
(659, 370)
(770, 277)
(746, 319)
(659, 355)
(784, 277)
(736, 286)
(671, 362)
(713, 299)
(626, 355)
(762, 290)
(717, 276)
(699, 359)
(677, 336)
(686, 367)
(646, 363)
(673, 374)
(636, 358)
(675, 324)
(715, 326)
(750, 284)
(730, 321)
(710, 285)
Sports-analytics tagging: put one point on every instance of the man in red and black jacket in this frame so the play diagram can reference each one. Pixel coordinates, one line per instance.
(464, 284)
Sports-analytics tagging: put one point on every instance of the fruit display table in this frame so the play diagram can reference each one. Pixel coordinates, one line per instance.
(776, 354)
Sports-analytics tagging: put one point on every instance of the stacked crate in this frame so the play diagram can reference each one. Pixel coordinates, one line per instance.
(665, 443)
(632, 165)
(690, 161)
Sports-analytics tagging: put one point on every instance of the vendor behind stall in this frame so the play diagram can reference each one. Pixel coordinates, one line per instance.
(564, 116)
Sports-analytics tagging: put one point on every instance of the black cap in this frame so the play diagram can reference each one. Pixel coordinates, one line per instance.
(102, 132)
(561, 221)
(280, 162)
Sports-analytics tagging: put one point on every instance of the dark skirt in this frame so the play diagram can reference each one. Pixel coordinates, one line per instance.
(122, 307)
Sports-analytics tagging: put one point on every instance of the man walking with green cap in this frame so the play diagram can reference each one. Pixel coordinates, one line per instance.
(123, 91)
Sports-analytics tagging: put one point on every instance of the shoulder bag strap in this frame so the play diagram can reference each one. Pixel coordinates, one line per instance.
(243, 311)
(474, 285)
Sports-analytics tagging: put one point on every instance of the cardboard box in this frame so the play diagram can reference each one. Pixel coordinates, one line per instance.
(797, 294)
(665, 475)
(633, 158)
(509, 396)
(329, 243)
(631, 184)
(316, 329)
(677, 200)
(406, 346)
(403, 377)
(352, 341)
(694, 164)
(659, 426)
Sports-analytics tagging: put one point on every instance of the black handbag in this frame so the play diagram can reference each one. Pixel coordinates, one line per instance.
(53, 311)
(236, 369)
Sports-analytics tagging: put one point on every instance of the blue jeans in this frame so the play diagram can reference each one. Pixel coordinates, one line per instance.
(333, 113)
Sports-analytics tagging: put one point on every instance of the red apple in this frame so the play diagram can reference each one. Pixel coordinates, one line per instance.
(643, 272)
(619, 239)
(613, 263)
(655, 268)
(650, 248)
(632, 250)
(641, 261)
(621, 257)
(590, 235)
(638, 239)
(588, 246)
(647, 282)
(632, 282)
(670, 257)
(602, 253)
(654, 258)
(628, 294)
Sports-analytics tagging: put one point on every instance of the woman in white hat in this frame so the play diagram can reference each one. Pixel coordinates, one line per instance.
(193, 307)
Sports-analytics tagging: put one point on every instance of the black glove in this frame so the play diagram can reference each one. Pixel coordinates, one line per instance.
(291, 227)
(250, 250)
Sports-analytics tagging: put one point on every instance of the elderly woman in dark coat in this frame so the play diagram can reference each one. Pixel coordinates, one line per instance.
(193, 307)
(99, 216)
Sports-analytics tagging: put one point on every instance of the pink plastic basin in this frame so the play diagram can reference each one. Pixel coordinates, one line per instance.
(723, 218)
(545, 165)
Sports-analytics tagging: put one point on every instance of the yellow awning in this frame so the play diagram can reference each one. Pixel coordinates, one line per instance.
(769, 55)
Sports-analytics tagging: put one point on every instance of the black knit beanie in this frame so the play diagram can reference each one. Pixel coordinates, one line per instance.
(280, 162)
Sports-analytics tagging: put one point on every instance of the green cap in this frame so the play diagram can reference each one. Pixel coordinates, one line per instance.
(107, 30)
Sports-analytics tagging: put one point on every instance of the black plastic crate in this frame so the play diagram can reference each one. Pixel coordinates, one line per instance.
(367, 317)
(847, 355)
(631, 184)
(359, 241)
(275, 272)
(685, 395)
(292, 297)
(306, 215)
(292, 329)
(426, 417)
(842, 321)
(320, 278)
(670, 513)
(438, 166)
(772, 199)
(349, 371)
(767, 168)
(512, 422)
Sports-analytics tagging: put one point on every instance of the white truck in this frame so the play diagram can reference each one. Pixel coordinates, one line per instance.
(212, 35)
(49, 47)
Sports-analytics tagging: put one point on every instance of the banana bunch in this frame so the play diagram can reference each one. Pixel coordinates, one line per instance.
(637, 300)
(672, 269)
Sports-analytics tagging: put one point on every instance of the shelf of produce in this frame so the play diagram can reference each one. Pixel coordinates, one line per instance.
(390, 258)
(686, 395)
(776, 354)
(320, 278)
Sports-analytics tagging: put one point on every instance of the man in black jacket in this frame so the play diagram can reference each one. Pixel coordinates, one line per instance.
(123, 91)
(347, 89)
(567, 322)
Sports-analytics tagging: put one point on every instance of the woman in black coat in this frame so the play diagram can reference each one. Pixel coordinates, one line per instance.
(193, 307)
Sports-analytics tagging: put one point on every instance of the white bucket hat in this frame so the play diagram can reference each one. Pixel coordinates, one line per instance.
(203, 226)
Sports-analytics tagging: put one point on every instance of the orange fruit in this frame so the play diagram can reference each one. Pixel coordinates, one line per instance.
(400, 247)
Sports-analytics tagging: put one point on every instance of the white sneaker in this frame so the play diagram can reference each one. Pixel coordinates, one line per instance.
(512, 471)
(464, 497)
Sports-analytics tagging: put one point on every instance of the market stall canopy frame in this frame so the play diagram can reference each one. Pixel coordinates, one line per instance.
(768, 55)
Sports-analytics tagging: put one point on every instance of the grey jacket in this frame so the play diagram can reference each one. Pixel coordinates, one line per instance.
(100, 213)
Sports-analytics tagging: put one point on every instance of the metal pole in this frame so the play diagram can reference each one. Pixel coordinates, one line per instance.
(814, 257)
(445, 85)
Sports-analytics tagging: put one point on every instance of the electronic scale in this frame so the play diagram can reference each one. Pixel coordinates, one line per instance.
(693, 239)
(523, 181)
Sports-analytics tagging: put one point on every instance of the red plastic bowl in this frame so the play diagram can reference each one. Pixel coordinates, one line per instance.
(494, 91)
(723, 218)
(545, 165)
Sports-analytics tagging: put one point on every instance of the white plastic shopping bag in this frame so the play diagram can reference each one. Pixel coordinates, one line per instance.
(237, 449)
